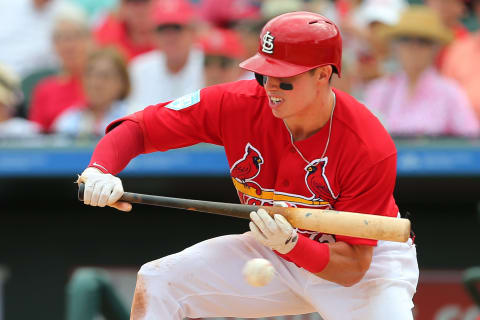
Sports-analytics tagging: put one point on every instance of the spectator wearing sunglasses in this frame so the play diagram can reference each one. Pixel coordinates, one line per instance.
(223, 51)
(417, 100)
(175, 68)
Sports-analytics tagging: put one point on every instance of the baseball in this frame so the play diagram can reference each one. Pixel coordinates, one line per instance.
(258, 272)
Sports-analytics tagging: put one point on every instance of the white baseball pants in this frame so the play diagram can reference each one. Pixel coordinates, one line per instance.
(206, 280)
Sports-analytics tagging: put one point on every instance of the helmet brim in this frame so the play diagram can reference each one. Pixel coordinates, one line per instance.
(272, 67)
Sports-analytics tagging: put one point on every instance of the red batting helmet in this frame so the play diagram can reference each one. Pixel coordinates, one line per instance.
(296, 42)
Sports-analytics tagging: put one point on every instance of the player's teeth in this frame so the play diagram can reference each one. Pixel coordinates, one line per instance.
(276, 100)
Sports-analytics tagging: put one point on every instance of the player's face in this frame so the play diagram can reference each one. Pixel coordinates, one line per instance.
(292, 103)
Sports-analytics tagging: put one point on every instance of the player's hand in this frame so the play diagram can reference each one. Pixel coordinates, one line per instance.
(102, 189)
(275, 233)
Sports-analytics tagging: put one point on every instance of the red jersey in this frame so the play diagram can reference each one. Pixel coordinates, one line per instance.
(356, 173)
(52, 96)
(114, 32)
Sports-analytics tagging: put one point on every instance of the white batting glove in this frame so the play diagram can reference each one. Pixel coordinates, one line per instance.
(102, 189)
(275, 233)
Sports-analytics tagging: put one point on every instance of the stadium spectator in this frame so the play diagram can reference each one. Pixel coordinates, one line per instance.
(10, 98)
(90, 293)
(367, 55)
(462, 63)
(96, 9)
(223, 51)
(417, 100)
(249, 30)
(227, 13)
(129, 28)
(56, 93)
(175, 68)
(451, 13)
(25, 34)
(107, 85)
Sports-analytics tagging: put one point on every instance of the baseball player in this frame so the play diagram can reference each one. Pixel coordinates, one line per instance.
(290, 138)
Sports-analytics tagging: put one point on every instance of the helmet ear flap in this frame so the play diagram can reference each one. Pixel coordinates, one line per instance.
(259, 78)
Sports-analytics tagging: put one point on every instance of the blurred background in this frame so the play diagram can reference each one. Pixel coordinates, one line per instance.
(69, 67)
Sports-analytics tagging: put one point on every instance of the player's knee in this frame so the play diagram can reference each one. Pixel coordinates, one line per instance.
(164, 269)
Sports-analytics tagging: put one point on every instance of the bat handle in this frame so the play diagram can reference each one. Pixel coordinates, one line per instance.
(81, 190)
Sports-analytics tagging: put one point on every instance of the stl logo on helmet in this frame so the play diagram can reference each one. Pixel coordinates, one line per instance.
(267, 43)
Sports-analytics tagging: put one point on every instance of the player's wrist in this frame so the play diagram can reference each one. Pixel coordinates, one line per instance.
(309, 254)
(98, 167)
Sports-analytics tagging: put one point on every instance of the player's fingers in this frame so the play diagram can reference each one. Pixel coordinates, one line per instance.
(87, 194)
(256, 233)
(116, 194)
(105, 194)
(259, 223)
(268, 221)
(122, 206)
(97, 190)
(283, 224)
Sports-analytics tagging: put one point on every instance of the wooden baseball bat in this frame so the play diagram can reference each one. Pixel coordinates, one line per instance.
(344, 223)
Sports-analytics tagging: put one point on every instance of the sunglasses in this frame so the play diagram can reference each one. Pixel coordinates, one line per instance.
(221, 61)
(282, 85)
(170, 27)
(417, 40)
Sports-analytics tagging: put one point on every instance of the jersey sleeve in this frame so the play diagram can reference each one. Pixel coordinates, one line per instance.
(188, 120)
(370, 192)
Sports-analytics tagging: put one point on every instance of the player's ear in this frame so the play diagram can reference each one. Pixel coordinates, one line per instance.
(325, 73)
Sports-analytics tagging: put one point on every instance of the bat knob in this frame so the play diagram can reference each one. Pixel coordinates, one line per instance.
(81, 190)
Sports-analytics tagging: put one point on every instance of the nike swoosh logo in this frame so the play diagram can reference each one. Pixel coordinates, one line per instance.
(99, 165)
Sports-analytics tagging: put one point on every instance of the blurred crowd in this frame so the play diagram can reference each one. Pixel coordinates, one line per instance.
(69, 67)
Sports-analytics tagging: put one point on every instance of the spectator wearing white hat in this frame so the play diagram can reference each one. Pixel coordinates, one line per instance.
(417, 100)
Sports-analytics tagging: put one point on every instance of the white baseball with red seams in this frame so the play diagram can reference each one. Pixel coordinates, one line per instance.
(258, 272)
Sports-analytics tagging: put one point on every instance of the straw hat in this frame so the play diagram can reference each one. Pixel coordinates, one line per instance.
(420, 21)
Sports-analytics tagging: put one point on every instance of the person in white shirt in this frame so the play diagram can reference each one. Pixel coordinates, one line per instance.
(175, 68)
(25, 34)
(10, 98)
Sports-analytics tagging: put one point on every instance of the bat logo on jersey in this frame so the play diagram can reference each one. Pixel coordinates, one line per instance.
(317, 181)
(267, 43)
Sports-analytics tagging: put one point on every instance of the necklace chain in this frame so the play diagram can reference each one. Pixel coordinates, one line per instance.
(328, 138)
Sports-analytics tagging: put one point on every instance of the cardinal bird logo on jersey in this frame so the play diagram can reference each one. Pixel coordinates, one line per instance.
(248, 167)
(317, 181)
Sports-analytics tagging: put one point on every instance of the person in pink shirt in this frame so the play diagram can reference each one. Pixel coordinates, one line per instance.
(129, 28)
(417, 100)
(54, 94)
(462, 63)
